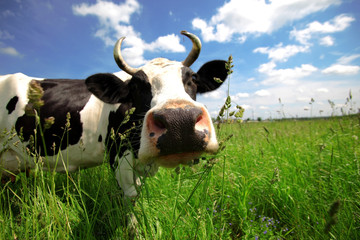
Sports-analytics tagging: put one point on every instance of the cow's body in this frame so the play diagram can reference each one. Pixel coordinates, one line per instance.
(88, 121)
(86, 118)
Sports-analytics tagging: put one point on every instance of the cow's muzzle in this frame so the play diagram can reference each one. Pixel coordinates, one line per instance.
(179, 132)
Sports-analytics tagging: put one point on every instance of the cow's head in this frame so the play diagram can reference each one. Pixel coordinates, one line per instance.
(176, 128)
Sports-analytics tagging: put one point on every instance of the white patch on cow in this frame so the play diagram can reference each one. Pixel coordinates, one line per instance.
(16, 85)
(95, 118)
(166, 83)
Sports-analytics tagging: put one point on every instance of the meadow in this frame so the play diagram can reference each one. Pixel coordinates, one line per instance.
(290, 179)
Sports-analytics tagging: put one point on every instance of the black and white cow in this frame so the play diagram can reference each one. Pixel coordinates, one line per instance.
(82, 121)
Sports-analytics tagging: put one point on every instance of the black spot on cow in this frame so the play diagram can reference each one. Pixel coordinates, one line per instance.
(133, 93)
(100, 138)
(63, 100)
(12, 104)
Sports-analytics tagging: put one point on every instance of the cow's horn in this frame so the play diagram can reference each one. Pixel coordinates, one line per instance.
(119, 59)
(195, 51)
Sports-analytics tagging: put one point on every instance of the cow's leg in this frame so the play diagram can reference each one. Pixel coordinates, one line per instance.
(128, 182)
(10, 164)
(125, 175)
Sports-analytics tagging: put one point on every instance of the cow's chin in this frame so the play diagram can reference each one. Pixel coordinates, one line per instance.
(173, 160)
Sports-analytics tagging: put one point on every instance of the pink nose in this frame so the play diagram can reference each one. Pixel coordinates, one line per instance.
(179, 130)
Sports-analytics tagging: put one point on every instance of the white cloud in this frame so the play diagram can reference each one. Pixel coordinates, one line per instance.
(216, 95)
(109, 13)
(5, 35)
(246, 17)
(262, 93)
(343, 66)
(303, 99)
(239, 96)
(214, 113)
(339, 69)
(267, 68)
(7, 13)
(327, 41)
(9, 51)
(134, 55)
(337, 24)
(115, 22)
(323, 90)
(250, 79)
(281, 53)
(300, 90)
(223, 33)
(246, 106)
(288, 76)
(169, 43)
(345, 60)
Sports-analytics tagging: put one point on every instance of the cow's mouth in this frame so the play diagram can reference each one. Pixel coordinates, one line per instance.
(173, 160)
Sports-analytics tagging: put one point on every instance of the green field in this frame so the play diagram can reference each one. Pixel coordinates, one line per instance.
(274, 180)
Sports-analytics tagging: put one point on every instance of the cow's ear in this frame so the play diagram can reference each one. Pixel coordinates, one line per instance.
(207, 73)
(139, 83)
(108, 88)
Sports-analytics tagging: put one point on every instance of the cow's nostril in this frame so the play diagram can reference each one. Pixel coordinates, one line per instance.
(159, 123)
(199, 118)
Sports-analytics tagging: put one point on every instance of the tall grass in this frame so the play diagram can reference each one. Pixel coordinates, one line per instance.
(274, 180)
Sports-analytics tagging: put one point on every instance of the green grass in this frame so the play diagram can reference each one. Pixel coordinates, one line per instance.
(274, 180)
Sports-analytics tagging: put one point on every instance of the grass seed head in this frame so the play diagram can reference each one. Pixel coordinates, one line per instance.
(49, 122)
(35, 93)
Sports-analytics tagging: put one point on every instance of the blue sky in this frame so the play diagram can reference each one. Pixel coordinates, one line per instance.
(287, 50)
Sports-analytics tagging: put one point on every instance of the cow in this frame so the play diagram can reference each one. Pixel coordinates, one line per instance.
(138, 119)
